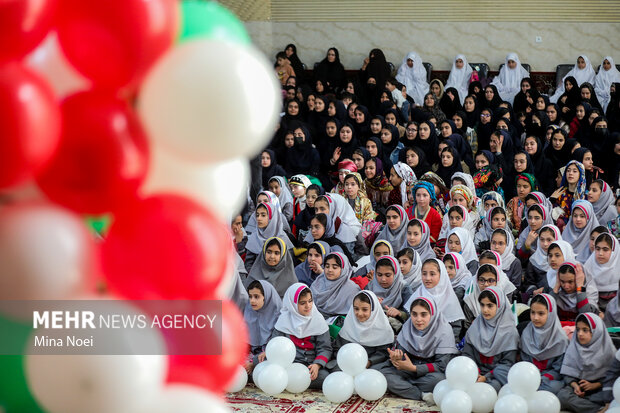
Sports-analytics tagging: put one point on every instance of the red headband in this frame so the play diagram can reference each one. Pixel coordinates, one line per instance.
(584, 211)
(549, 305)
(496, 296)
(455, 259)
(299, 290)
(269, 211)
(590, 320)
(430, 304)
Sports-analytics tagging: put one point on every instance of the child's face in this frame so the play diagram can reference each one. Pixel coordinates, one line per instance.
(447, 159)
(459, 63)
(538, 314)
(257, 299)
(490, 203)
(414, 236)
(556, 258)
(358, 160)
(584, 334)
(592, 239)
(351, 188)
(311, 196)
(395, 180)
(280, 61)
(498, 243)
(392, 219)
(420, 317)
(275, 187)
(331, 109)
(531, 146)
(450, 267)
(498, 221)
(351, 110)
(535, 220)
(319, 105)
(454, 243)
(520, 162)
(405, 264)
(390, 119)
(487, 279)
(371, 147)
(523, 188)
(332, 269)
(265, 160)
(289, 140)
(346, 134)
(304, 305)
(481, 161)
(385, 276)
(359, 116)
(375, 126)
(422, 198)
(512, 64)
(316, 229)
(298, 191)
(237, 224)
(487, 308)
(381, 250)
(572, 174)
(361, 310)
(321, 207)
(331, 129)
(603, 252)
(579, 218)
(435, 89)
(594, 194)
(424, 131)
(446, 129)
(371, 172)
(386, 136)
(456, 220)
(545, 239)
(314, 257)
(262, 218)
(459, 199)
(341, 174)
(430, 275)
(273, 255)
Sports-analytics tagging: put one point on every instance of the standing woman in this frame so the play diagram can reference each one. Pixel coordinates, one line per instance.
(607, 75)
(543, 168)
(412, 74)
(581, 72)
(298, 66)
(374, 72)
(508, 82)
(460, 75)
(331, 70)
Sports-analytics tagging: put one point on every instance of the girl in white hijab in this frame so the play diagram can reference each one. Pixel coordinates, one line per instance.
(602, 198)
(261, 313)
(484, 278)
(396, 217)
(459, 76)
(460, 241)
(580, 225)
(419, 233)
(538, 264)
(575, 292)
(412, 74)
(508, 82)
(607, 74)
(333, 291)
(460, 277)
(604, 267)
(346, 225)
(582, 72)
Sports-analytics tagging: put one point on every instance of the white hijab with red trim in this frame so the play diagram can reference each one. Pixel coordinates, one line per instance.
(376, 331)
(606, 276)
(580, 238)
(292, 322)
(548, 341)
(398, 236)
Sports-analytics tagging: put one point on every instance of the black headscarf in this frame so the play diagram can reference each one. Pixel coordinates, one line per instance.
(543, 168)
(573, 97)
(450, 106)
(560, 158)
(362, 130)
(593, 101)
(422, 167)
(430, 145)
(300, 158)
(479, 95)
(484, 131)
(272, 170)
(388, 148)
(363, 152)
(463, 148)
(495, 102)
(473, 117)
(298, 67)
(463, 115)
(446, 173)
(331, 72)
(520, 101)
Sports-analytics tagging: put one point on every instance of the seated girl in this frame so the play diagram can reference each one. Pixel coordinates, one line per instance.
(391, 290)
(333, 291)
(355, 193)
(300, 321)
(460, 241)
(378, 187)
(423, 349)
(460, 277)
(538, 264)
(496, 217)
(516, 208)
(411, 267)
(577, 232)
(423, 209)
(574, 292)
(308, 271)
(602, 198)
(604, 267)
(379, 248)
(436, 285)
(367, 325)
(543, 342)
(461, 178)
(503, 243)
(265, 197)
(345, 168)
(572, 188)
(346, 226)
(418, 238)
(273, 265)
(593, 235)
(587, 358)
(301, 224)
(488, 275)
(493, 258)
(526, 244)
(395, 229)
(492, 340)
(260, 314)
(322, 229)
(460, 195)
(269, 224)
(279, 186)
(402, 179)
(558, 253)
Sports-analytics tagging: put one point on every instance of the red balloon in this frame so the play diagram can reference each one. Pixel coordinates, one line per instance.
(166, 247)
(215, 373)
(102, 158)
(23, 25)
(114, 42)
(29, 124)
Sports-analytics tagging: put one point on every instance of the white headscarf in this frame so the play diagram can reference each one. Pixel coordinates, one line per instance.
(587, 74)
(580, 238)
(393, 295)
(473, 292)
(468, 249)
(405, 172)
(605, 208)
(275, 201)
(508, 82)
(463, 277)
(539, 257)
(469, 222)
(508, 256)
(286, 197)
(548, 341)
(274, 228)
(424, 248)
(374, 332)
(414, 78)
(443, 294)
(459, 78)
(606, 276)
(349, 225)
(568, 302)
(293, 323)
(399, 235)
(569, 256)
(413, 278)
(260, 323)
(603, 82)
(333, 297)
(373, 262)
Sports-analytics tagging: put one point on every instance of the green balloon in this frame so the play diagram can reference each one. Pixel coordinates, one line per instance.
(15, 396)
(208, 19)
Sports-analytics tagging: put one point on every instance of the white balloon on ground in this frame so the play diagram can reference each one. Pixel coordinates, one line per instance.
(221, 186)
(461, 372)
(511, 403)
(613, 410)
(241, 379)
(370, 384)
(298, 378)
(338, 387)
(456, 401)
(543, 402)
(210, 101)
(184, 398)
(47, 253)
(273, 379)
(280, 351)
(524, 379)
(614, 403)
(483, 397)
(441, 389)
(49, 61)
(505, 391)
(258, 369)
(352, 359)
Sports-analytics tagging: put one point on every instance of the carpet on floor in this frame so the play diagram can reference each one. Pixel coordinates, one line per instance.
(251, 399)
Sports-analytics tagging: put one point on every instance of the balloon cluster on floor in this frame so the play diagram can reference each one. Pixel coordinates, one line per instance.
(124, 114)
(614, 406)
(461, 393)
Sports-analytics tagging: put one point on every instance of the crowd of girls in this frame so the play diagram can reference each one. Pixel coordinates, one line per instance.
(416, 229)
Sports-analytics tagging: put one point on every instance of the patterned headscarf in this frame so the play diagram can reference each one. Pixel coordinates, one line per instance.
(429, 187)
(580, 191)
(487, 177)
(529, 178)
(406, 173)
(465, 192)
(360, 183)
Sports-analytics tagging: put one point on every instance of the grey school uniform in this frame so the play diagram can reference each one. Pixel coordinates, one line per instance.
(488, 365)
(376, 355)
(551, 380)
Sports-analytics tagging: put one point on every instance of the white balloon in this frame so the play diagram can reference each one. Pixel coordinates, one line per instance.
(616, 389)
(280, 351)
(456, 401)
(49, 61)
(543, 402)
(258, 369)
(613, 410)
(461, 372)
(614, 403)
(504, 391)
(210, 101)
(483, 397)
(186, 399)
(352, 359)
(370, 384)
(524, 379)
(511, 403)
(338, 387)
(241, 379)
(298, 378)
(441, 389)
(46, 253)
(273, 379)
